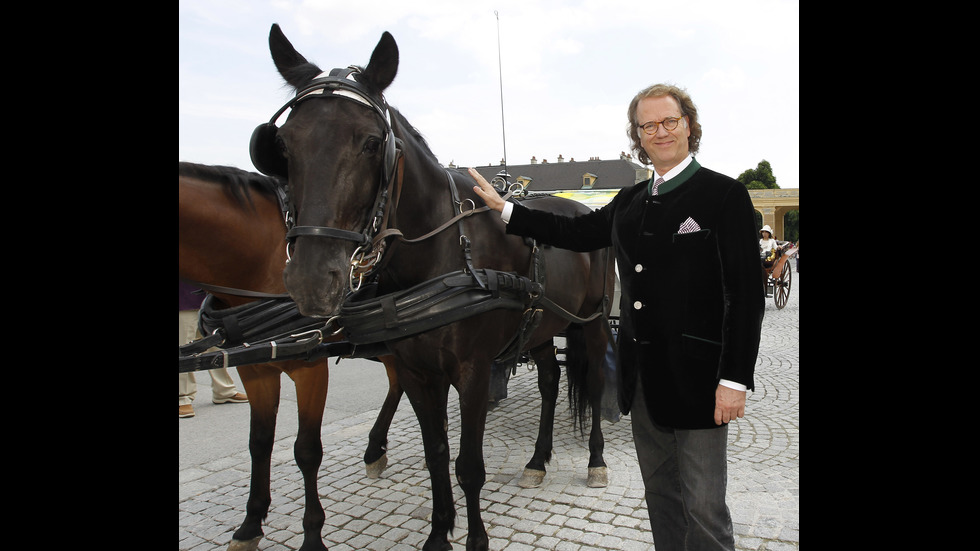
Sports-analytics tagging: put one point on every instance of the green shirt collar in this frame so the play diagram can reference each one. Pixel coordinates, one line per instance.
(676, 181)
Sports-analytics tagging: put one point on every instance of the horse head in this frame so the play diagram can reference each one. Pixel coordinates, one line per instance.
(338, 149)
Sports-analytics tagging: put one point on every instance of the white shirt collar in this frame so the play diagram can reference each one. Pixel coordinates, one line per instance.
(674, 171)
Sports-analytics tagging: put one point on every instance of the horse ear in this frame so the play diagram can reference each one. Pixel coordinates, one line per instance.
(293, 67)
(383, 66)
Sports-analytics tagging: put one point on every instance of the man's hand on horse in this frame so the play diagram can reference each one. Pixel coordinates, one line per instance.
(487, 192)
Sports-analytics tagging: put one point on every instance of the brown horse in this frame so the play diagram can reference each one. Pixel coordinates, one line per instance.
(232, 237)
(370, 197)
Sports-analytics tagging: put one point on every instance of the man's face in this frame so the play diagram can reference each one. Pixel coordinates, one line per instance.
(666, 149)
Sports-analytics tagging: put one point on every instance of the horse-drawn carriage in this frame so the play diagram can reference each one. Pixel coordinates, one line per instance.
(779, 273)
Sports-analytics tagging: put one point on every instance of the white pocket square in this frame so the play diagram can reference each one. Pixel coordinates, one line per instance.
(689, 226)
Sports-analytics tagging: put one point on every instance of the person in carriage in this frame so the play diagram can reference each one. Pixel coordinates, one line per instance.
(768, 247)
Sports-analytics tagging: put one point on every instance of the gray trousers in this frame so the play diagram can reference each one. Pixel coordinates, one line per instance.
(685, 475)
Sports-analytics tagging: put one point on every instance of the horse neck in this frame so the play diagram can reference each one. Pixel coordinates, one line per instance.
(425, 202)
(222, 242)
(427, 191)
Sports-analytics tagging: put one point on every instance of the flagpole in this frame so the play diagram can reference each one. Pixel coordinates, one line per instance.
(501, 72)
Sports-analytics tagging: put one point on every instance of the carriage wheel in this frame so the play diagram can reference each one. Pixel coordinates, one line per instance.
(782, 285)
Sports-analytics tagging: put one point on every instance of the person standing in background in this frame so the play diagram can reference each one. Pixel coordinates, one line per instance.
(223, 389)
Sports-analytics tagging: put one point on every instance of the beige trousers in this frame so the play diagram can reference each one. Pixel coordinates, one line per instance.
(222, 385)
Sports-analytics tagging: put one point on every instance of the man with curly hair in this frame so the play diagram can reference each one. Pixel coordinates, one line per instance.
(691, 312)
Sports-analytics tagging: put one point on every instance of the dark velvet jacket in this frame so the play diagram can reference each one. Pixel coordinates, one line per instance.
(692, 302)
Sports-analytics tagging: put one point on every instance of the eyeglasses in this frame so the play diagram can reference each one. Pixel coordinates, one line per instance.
(669, 123)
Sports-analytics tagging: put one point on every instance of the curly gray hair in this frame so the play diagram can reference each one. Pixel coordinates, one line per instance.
(687, 109)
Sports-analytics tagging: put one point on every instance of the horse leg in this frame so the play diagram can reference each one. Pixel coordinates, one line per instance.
(471, 472)
(376, 457)
(499, 375)
(428, 391)
(262, 384)
(311, 396)
(549, 374)
(596, 346)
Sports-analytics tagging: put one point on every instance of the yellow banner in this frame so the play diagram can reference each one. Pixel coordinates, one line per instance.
(593, 199)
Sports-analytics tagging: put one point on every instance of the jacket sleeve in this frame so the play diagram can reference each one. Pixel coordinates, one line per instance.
(743, 287)
(577, 233)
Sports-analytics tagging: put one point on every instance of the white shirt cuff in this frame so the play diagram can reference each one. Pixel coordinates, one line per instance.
(505, 214)
(733, 385)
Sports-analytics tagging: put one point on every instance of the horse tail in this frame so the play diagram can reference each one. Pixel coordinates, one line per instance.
(577, 369)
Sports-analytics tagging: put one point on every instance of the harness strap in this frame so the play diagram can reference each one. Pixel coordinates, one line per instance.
(551, 306)
(440, 301)
(307, 347)
(291, 348)
(247, 324)
(384, 234)
(232, 291)
(320, 231)
(368, 321)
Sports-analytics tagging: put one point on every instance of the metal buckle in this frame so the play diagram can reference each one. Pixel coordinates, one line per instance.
(362, 262)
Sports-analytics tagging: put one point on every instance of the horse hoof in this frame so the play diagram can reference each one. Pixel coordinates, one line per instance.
(478, 542)
(532, 478)
(437, 545)
(598, 477)
(244, 545)
(375, 469)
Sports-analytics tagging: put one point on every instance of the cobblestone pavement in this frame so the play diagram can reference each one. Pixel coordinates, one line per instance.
(392, 512)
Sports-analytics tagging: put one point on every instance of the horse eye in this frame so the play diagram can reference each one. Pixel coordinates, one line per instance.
(372, 146)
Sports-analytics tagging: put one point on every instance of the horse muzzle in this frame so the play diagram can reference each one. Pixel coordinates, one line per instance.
(316, 282)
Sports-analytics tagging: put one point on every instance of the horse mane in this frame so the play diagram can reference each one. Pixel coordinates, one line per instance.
(413, 133)
(237, 181)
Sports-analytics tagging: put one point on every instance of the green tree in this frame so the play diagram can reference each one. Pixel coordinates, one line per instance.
(792, 225)
(761, 177)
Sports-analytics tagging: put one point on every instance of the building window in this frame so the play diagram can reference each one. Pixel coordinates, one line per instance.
(588, 180)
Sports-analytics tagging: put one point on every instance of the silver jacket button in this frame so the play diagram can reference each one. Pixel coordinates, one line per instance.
(638, 268)
(637, 305)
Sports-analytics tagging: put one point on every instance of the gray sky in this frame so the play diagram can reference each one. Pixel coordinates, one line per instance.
(569, 71)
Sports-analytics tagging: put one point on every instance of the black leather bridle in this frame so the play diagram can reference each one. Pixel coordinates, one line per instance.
(338, 83)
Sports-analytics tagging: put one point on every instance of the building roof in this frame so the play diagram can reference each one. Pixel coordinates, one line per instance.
(572, 175)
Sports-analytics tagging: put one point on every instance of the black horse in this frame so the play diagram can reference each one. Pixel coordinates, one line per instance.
(372, 204)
